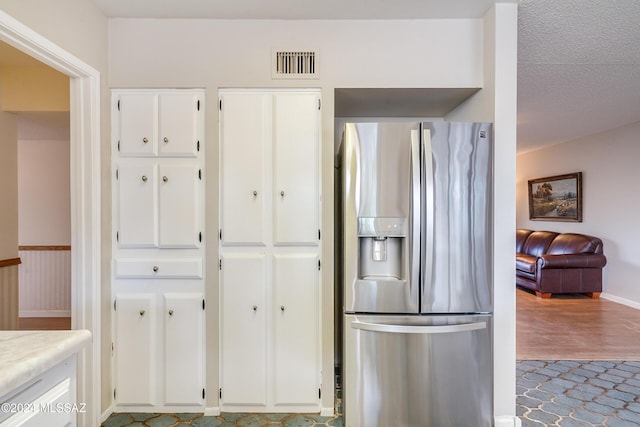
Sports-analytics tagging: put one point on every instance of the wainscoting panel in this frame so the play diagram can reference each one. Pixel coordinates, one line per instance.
(9, 295)
(45, 281)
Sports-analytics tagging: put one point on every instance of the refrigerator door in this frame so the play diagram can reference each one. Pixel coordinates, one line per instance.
(418, 371)
(380, 221)
(456, 249)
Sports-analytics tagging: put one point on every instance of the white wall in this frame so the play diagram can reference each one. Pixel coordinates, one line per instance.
(609, 165)
(8, 186)
(44, 214)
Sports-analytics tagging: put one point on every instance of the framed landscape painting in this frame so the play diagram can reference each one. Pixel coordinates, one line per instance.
(556, 198)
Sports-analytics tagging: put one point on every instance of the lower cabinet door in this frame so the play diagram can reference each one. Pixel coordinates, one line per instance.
(295, 346)
(244, 361)
(135, 352)
(183, 316)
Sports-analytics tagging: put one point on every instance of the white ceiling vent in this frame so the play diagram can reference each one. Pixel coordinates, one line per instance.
(290, 64)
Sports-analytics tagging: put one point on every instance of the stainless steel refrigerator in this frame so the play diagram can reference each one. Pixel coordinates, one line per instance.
(416, 273)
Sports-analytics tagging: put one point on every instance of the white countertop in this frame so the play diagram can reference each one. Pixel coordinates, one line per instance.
(26, 354)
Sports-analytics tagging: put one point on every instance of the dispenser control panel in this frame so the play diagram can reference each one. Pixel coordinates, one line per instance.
(383, 227)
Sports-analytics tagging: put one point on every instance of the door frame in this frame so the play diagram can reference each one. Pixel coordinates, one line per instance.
(85, 199)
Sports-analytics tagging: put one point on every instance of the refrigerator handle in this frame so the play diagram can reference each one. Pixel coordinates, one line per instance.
(428, 219)
(414, 286)
(412, 329)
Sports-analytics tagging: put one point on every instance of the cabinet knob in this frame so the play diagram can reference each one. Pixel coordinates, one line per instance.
(166, 140)
(255, 193)
(170, 312)
(255, 308)
(282, 194)
(282, 308)
(155, 268)
(165, 179)
(144, 178)
(142, 312)
(145, 140)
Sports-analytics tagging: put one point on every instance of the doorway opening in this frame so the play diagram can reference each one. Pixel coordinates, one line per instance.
(85, 198)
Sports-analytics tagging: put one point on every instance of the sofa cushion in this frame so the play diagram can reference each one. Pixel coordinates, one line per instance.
(571, 243)
(521, 237)
(538, 242)
(526, 263)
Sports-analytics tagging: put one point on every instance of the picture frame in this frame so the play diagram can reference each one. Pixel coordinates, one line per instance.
(556, 198)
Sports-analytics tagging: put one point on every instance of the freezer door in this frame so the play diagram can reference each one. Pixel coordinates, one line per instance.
(456, 248)
(418, 371)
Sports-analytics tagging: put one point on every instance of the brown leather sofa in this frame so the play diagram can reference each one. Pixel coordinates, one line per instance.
(550, 263)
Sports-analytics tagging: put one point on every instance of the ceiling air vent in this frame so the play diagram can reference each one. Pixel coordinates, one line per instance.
(295, 64)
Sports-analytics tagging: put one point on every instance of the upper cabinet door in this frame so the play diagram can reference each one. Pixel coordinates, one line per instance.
(159, 124)
(244, 133)
(178, 124)
(138, 124)
(178, 206)
(296, 169)
(137, 201)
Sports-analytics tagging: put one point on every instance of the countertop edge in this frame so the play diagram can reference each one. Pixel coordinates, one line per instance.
(26, 354)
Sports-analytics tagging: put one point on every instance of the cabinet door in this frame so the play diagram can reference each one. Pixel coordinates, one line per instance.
(244, 361)
(296, 330)
(135, 350)
(179, 203)
(244, 129)
(183, 349)
(138, 124)
(296, 168)
(178, 124)
(137, 202)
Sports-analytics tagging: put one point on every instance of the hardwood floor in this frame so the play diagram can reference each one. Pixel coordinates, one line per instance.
(44, 323)
(575, 327)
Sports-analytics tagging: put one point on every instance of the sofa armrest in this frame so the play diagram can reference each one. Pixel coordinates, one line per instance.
(572, 261)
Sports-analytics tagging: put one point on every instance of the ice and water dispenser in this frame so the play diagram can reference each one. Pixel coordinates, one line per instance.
(382, 244)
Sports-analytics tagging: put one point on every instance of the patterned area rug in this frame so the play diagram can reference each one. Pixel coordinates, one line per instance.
(578, 393)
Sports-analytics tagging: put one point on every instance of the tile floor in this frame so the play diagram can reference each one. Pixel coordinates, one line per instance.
(564, 393)
(224, 420)
(578, 393)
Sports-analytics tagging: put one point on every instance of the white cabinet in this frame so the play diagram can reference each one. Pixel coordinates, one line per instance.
(159, 353)
(183, 318)
(296, 121)
(136, 356)
(270, 250)
(158, 205)
(156, 123)
(244, 320)
(158, 161)
(46, 400)
(296, 330)
(244, 141)
(158, 249)
(270, 144)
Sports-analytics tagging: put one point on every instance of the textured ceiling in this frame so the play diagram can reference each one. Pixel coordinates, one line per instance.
(578, 60)
(578, 69)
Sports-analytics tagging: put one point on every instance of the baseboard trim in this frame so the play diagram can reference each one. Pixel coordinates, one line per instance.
(213, 411)
(507, 421)
(620, 300)
(327, 412)
(106, 414)
(45, 313)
